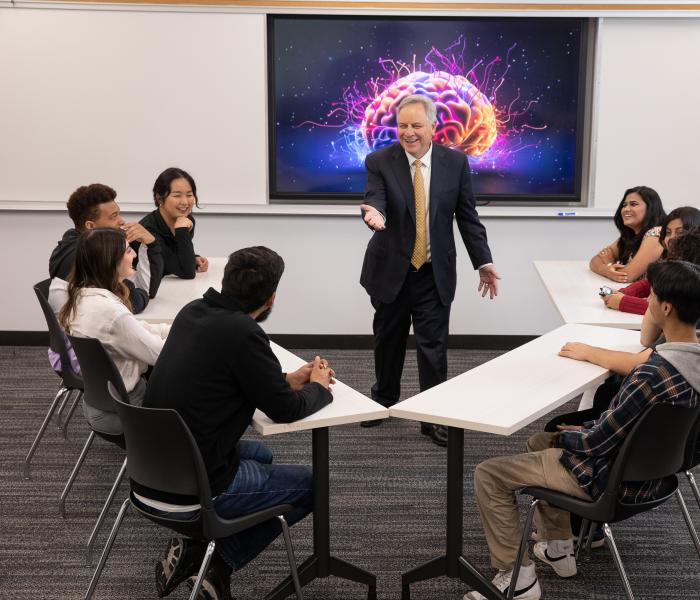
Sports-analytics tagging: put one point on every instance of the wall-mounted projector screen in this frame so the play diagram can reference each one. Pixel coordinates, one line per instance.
(510, 94)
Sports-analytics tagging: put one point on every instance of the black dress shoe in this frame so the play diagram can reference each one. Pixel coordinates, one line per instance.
(437, 433)
(372, 423)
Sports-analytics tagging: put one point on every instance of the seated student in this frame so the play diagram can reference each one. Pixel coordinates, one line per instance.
(174, 194)
(638, 219)
(92, 206)
(98, 307)
(684, 246)
(633, 298)
(576, 460)
(216, 368)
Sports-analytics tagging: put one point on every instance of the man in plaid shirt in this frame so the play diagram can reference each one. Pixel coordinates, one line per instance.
(576, 460)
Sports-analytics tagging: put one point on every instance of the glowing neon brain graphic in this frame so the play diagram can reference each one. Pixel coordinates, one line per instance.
(466, 120)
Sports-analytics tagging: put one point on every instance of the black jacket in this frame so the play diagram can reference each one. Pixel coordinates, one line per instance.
(178, 250)
(389, 189)
(63, 257)
(215, 369)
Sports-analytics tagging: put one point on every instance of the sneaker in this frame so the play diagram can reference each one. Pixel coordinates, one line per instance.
(527, 588)
(182, 558)
(558, 554)
(216, 584)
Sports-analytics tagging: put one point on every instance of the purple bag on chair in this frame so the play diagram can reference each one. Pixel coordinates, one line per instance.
(55, 358)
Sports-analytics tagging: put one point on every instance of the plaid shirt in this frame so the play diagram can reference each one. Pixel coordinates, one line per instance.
(590, 453)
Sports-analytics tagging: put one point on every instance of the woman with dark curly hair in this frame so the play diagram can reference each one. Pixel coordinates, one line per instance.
(638, 219)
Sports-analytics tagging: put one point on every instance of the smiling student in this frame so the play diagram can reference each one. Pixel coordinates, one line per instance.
(638, 219)
(172, 223)
(98, 306)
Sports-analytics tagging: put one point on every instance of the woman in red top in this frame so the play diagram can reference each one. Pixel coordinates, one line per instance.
(633, 298)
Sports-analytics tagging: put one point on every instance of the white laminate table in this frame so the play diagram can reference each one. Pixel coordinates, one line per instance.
(348, 406)
(174, 292)
(501, 396)
(574, 289)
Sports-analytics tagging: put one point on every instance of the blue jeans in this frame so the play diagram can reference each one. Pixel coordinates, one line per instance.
(259, 484)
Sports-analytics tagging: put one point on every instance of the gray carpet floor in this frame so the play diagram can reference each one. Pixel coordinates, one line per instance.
(387, 506)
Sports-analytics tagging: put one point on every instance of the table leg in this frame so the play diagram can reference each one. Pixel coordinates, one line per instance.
(452, 564)
(321, 563)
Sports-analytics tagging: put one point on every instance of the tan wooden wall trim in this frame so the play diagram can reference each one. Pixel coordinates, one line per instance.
(408, 6)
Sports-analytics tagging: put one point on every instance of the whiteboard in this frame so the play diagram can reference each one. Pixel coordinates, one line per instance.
(117, 97)
(647, 130)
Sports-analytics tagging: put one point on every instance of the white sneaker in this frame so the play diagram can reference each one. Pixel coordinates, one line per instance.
(558, 554)
(527, 588)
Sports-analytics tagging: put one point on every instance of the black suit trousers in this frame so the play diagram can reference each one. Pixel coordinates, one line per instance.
(419, 303)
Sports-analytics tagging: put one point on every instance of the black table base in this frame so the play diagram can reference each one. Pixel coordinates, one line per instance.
(321, 563)
(452, 564)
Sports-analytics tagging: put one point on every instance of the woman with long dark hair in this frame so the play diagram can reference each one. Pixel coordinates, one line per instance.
(98, 306)
(633, 298)
(638, 219)
(172, 223)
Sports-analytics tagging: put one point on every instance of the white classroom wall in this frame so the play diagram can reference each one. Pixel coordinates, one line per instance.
(644, 132)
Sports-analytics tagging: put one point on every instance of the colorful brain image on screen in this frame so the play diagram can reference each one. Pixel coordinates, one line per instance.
(506, 93)
(466, 119)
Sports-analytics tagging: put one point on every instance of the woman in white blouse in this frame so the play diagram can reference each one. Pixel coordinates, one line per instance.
(98, 307)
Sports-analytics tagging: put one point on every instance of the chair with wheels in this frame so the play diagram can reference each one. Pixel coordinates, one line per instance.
(163, 456)
(656, 448)
(71, 383)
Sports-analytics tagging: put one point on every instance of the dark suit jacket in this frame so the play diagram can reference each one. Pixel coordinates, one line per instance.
(389, 189)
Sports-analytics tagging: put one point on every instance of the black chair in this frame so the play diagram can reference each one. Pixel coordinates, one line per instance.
(98, 370)
(170, 463)
(656, 448)
(70, 382)
(692, 457)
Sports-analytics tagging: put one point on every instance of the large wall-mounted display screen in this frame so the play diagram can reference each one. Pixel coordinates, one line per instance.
(509, 93)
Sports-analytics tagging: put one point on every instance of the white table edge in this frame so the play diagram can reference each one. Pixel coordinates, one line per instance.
(268, 427)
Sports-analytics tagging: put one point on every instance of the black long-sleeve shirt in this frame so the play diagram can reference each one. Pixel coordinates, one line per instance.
(215, 369)
(177, 249)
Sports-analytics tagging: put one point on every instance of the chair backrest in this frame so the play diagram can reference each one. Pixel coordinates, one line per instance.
(162, 454)
(98, 369)
(56, 335)
(656, 447)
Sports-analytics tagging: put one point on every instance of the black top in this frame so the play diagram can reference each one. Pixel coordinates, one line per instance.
(215, 369)
(178, 250)
(63, 258)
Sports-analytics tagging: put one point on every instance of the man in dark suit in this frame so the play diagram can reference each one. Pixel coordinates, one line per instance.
(414, 191)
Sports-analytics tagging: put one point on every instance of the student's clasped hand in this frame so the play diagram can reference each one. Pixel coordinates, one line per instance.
(617, 272)
(201, 264)
(322, 373)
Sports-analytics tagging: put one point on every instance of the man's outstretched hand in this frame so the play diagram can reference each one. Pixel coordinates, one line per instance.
(373, 217)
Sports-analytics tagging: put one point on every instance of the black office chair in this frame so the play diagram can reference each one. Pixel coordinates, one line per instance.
(70, 382)
(98, 370)
(656, 448)
(163, 456)
(692, 457)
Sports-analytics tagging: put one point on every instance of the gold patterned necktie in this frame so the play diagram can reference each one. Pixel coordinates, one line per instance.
(420, 250)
